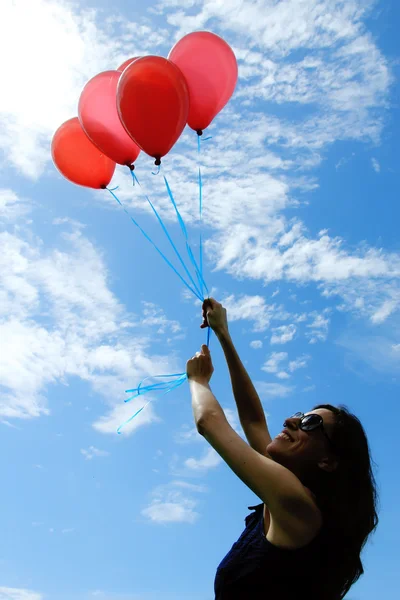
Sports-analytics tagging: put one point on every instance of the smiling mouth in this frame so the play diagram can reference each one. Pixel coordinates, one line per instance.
(285, 436)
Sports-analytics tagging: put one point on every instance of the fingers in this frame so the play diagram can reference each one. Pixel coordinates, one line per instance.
(205, 350)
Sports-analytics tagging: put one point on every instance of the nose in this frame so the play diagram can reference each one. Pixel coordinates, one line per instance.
(292, 422)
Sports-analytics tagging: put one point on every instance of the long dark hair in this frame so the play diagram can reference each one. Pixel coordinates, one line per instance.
(347, 498)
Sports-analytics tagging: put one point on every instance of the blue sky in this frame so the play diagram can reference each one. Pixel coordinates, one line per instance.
(301, 220)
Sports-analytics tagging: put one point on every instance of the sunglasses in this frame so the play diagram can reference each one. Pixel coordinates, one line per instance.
(310, 423)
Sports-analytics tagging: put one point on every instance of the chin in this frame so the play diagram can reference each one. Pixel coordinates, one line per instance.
(277, 453)
(274, 450)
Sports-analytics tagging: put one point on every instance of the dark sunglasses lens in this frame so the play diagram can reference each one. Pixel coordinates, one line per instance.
(311, 422)
(297, 415)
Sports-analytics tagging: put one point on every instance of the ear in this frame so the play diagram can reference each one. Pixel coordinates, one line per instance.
(328, 464)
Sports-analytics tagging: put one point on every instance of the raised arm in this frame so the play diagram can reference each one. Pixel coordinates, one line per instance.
(295, 518)
(250, 410)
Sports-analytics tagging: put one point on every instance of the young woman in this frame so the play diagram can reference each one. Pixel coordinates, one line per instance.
(314, 479)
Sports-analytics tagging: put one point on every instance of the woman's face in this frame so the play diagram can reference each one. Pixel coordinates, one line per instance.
(299, 450)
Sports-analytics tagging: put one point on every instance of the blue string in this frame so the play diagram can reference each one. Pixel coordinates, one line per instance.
(201, 205)
(174, 380)
(199, 275)
(198, 292)
(153, 244)
(180, 378)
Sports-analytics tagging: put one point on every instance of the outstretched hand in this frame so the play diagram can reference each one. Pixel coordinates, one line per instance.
(200, 367)
(214, 316)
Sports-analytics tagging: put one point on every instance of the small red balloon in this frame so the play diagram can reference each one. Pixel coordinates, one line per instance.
(127, 63)
(153, 104)
(78, 159)
(99, 118)
(210, 69)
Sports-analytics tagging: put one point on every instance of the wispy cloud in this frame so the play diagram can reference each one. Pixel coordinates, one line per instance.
(318, 328)
(170, 504)
(251, 308)
(7, 593)
(273, 390)
(256, 344)
(283, 334)
(85, 333)
(93, 452)
(208, 460)
(375, 165)
(274, 364)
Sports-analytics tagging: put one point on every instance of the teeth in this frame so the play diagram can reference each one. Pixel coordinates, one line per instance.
(284, 436)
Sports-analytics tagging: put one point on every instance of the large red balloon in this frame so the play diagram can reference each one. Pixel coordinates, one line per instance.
(78, 159)
(126, 63)
(153, 104)
(210, 69)
(99, 118)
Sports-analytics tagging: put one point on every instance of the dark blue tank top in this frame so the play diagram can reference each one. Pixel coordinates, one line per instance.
(255, 569)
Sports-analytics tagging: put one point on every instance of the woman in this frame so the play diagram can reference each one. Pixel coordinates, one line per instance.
(314, 479)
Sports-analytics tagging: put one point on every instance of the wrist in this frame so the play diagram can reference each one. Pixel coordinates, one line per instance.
(200, 380)
(222, 333)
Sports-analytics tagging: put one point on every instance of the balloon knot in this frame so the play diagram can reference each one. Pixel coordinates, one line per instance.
(103, 187)
(157, 162)
(199, 132)
(132, 167)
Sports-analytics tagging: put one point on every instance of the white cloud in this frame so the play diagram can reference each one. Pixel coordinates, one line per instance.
(299, 363)
(384, 311)
(256, 344)
(251, 308)
(93, 452)
(7, 593)
(273, 363)
(192, 487)
(154, 316)
(283, 334)
(375, 165)
(273, 390)
(12, 207)
(58, 318)
(187, 434)
(171, 505)
(318, 328)
(209, 460)
(72, 45)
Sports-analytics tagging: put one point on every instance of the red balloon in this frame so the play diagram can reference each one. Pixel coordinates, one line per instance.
(210, 69)
(78, 159)
(127, 63)
(99, 118)
(153, 104)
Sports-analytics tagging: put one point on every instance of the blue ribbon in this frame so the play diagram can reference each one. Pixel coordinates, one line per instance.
(174, 380)
(153, 244)
(201, 205)
(197, 292)
(198, 271)
(168, 386)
